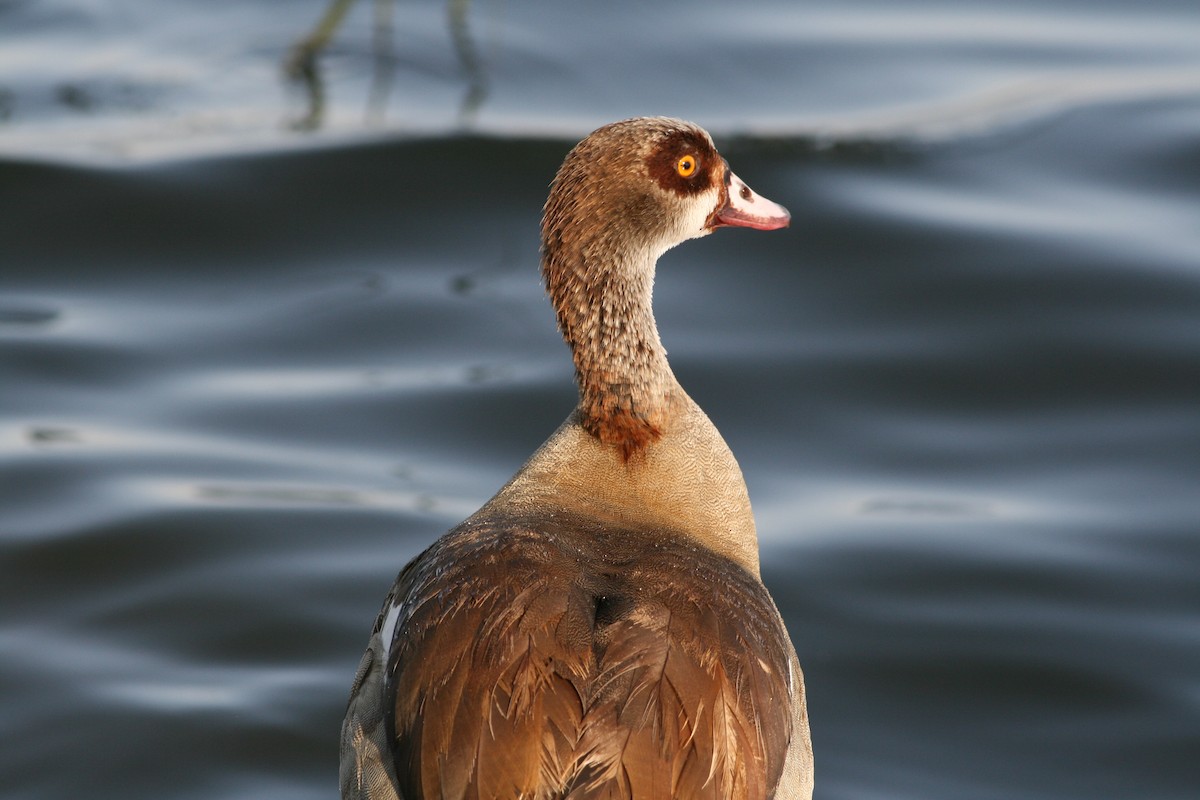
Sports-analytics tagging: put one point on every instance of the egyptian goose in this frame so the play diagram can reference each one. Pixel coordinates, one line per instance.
(598, 629)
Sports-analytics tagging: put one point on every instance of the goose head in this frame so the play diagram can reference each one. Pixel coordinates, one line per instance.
(624, 195)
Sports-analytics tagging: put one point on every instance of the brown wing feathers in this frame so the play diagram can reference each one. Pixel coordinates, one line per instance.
(556, 673)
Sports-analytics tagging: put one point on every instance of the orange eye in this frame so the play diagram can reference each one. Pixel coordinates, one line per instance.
(686, 166)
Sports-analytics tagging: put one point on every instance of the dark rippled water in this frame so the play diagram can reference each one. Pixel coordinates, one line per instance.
(255, 353)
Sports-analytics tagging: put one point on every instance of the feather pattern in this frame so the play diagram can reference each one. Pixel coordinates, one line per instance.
(575, 665)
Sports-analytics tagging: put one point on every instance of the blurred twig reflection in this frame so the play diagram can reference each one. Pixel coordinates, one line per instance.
(385, 62)
(303, 67)
(468, 58)
(301, 64)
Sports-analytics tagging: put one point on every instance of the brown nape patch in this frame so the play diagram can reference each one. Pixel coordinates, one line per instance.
(662, 161)
(623, 429)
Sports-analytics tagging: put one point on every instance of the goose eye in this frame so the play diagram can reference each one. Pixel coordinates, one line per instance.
(686, 166)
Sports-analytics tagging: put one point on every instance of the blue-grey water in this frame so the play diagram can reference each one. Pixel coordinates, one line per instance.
(262, 339)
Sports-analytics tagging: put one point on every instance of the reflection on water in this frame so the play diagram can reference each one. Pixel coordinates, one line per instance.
(470, 59)
(189, 77)
(302, 65)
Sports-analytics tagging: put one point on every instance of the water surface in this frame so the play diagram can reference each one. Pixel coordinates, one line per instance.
(253, 358)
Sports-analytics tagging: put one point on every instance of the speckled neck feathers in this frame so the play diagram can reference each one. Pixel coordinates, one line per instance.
(616, 205)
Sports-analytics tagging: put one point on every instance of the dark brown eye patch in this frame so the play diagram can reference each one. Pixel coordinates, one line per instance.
(683, 163)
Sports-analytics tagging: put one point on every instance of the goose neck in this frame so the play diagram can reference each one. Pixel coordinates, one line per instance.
(604, 305)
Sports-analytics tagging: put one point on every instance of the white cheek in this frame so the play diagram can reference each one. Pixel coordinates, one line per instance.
(687, 218)
(696, 213)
